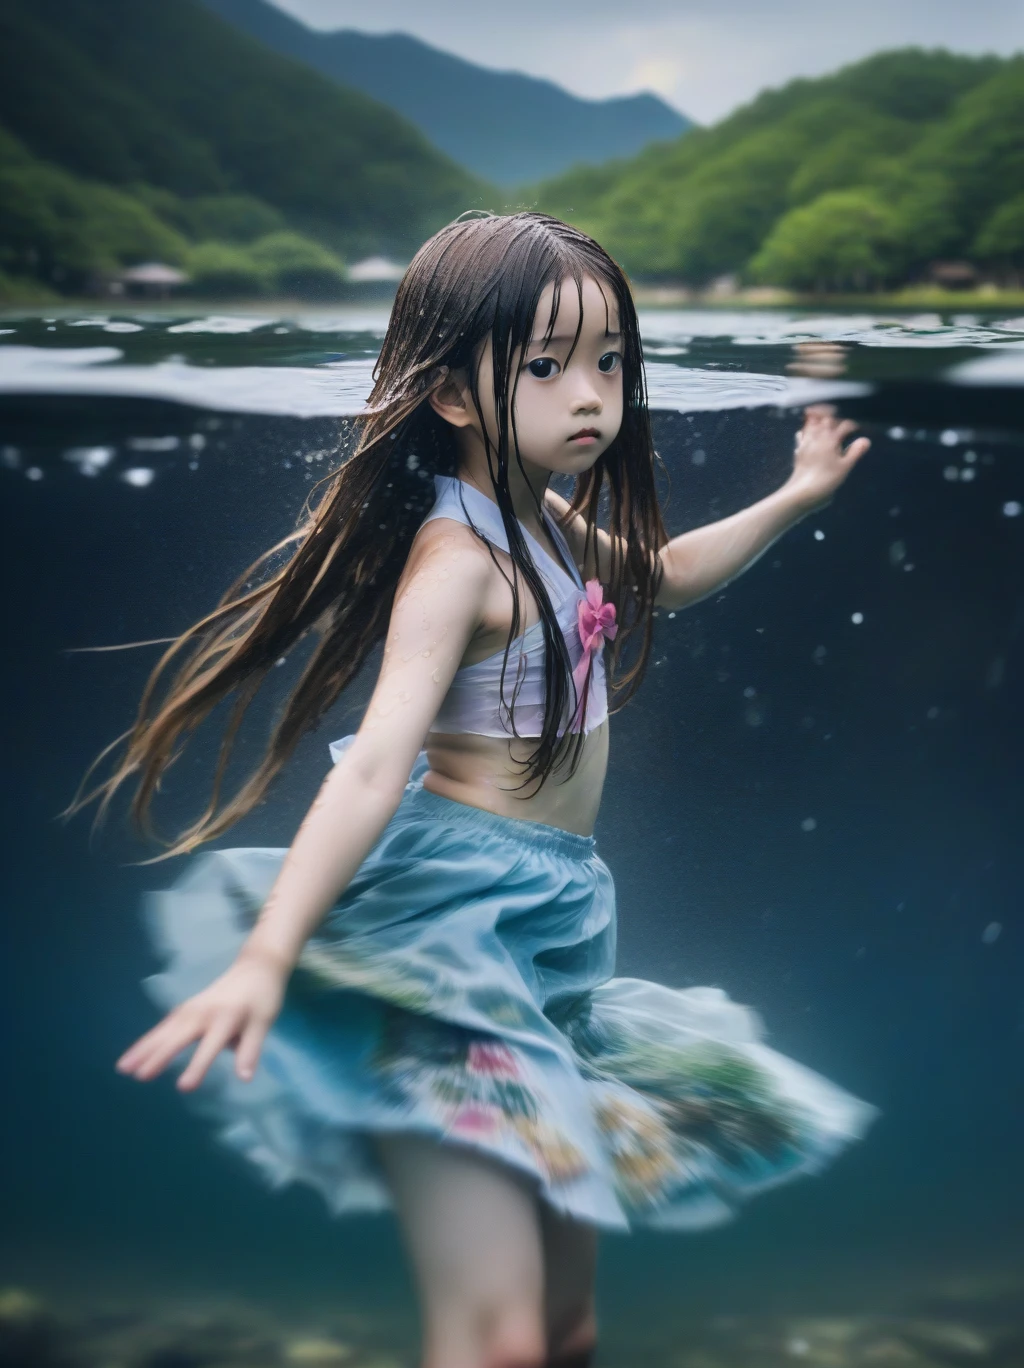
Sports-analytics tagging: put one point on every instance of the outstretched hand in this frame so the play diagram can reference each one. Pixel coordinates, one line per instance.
(820, 461)
(234, 1012)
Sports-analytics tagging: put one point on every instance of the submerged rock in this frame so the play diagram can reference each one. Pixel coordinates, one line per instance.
(30, 1335)
(317, 1353)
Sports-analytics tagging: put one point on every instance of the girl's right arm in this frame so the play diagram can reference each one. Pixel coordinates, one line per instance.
(438, 606)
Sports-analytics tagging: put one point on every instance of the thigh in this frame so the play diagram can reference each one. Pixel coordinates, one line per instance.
(570, 1261)
(471, 1227)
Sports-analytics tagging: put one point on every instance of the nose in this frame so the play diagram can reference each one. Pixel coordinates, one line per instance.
(585, 398)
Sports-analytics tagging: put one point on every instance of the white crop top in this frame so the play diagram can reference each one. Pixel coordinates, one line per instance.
(472, 703)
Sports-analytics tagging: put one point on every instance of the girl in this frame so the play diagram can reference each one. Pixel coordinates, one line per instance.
(419, 993)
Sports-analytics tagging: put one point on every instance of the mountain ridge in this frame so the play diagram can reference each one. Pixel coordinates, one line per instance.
(434, 89)
(853, 180)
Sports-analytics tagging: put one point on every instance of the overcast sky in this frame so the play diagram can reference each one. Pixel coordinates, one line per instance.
(703, 56)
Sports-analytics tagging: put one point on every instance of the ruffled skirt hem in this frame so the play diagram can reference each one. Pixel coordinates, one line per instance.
(461, 990)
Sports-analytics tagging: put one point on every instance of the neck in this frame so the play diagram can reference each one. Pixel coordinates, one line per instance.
(526, 490)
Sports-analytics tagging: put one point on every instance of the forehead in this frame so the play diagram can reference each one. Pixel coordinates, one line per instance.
(600, 310)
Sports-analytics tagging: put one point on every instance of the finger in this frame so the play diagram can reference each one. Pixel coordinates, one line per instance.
(222, 1030)
(135, 1052)
(845, 428)
(173, 1036)
(816, 412)
(857, 449)
(146, 1045)
(248, 1053)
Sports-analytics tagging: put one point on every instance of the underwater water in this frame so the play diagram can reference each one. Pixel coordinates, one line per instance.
(815, 803)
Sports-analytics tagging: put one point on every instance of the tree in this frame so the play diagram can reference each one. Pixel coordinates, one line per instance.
(1001, 240)
(63, 230)
(294, 265)
(220, 270)
(842, 241)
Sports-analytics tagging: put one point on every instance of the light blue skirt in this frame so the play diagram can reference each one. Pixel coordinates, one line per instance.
(462, 988)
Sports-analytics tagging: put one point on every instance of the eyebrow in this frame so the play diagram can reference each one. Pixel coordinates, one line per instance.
(562, 337)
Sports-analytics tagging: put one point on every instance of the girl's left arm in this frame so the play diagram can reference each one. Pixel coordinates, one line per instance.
(698, 562)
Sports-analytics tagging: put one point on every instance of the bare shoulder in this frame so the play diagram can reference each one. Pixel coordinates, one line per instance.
(447, 548)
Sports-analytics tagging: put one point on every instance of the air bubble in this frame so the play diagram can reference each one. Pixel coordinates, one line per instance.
(138, 476)
(968, 473)
(991, 933)
(1012, 509)
(857, 618)
(808, 824)
(818, 534)
(153, 443)
(951, 473)
(33, 473)
(90, 460)
(950, 437)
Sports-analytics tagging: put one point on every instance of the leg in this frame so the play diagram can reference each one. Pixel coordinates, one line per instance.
(570, 1257)
(471, 1228)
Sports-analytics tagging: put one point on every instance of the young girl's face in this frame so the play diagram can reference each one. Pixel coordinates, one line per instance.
(568, 409)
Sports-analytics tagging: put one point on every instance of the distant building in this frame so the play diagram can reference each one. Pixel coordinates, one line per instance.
(954, 275)
(154, 279)
(375, 270)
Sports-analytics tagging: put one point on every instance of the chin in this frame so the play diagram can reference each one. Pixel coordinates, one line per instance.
(572, 462)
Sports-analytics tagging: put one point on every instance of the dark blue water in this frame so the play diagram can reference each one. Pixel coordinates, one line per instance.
(815, 803)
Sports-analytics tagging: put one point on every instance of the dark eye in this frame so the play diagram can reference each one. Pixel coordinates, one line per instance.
(543, 368)
(609, 362)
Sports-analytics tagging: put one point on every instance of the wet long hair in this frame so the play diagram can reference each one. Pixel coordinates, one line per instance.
(479, 277)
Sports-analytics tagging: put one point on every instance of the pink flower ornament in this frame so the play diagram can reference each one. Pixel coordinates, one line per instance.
(596, 620)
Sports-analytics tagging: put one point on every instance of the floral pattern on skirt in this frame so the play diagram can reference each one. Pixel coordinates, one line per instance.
(463, 988)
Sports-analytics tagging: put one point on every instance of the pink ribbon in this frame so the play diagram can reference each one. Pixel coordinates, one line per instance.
(597, 624)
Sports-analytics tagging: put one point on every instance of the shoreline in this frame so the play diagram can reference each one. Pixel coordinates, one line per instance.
(910, 299)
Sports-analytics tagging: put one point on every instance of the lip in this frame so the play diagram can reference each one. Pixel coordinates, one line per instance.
(585, 435)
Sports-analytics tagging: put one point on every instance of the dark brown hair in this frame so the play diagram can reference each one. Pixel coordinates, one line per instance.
(481, 276)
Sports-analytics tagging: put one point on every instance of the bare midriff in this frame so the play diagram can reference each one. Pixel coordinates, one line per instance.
(482, 772)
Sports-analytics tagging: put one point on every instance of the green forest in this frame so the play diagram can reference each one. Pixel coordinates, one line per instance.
(133, 131)
(137, 132)
(861, 180)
